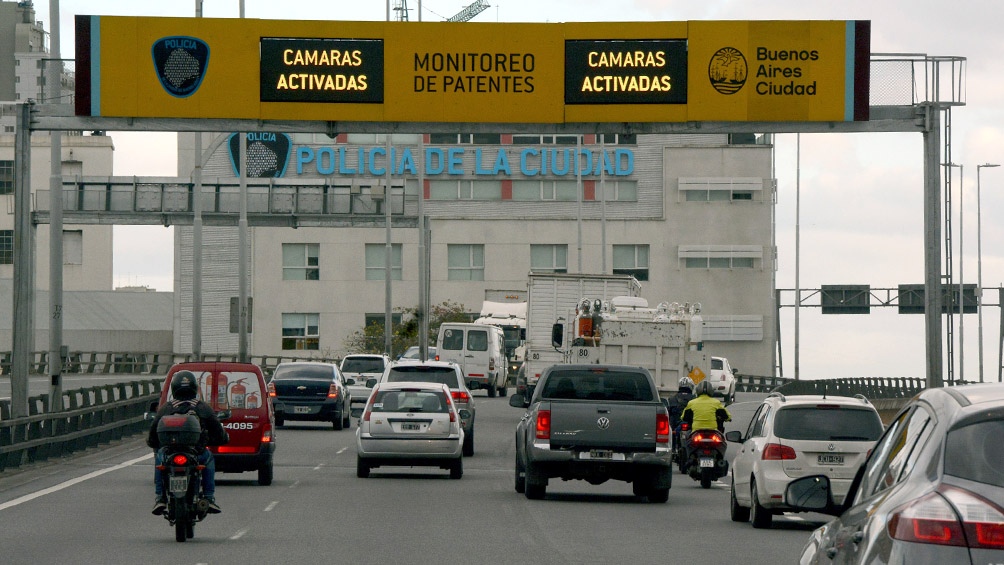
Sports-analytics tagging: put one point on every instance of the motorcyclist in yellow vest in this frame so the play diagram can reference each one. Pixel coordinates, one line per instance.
(706, 412)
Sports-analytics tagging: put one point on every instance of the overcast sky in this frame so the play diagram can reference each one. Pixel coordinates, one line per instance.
(861, 209)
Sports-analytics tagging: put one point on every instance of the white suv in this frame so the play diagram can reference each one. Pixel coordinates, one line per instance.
(796, 436)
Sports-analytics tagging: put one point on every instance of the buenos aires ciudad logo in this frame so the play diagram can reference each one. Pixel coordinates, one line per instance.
(727, 70)
(180, 63)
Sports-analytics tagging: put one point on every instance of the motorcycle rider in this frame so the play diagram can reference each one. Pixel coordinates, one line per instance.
(676, 405)
(706, 412)
(184, 392)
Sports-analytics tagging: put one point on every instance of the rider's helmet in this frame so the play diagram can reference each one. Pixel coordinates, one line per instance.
(184, 386)
(704, 387)
(686, 383)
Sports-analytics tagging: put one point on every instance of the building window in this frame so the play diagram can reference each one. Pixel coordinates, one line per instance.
(6, 247)
(720, 189)
(300, 332)
(377, 319)
(549, 258)
(465, 138)
(6, 177)
(73, 247)
(464, 189)
(376, 261)
(618, 138)
(544, 139)
(720, 256)
(300, 262)
(465, 262)
(631, 260)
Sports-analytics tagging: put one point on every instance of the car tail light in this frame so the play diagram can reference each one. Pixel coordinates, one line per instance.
(179, 459)
(950, 516)
(662, 428)
(460, 396)
(685, 426)
(491, 364)
(777, 452)
(333, 391)
(266, 433)
(544, 424)
(437, 357)
(271, 389)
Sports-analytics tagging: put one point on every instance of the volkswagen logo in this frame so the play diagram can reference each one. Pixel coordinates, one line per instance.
(603, 423)
(180, 63)
(831, 447)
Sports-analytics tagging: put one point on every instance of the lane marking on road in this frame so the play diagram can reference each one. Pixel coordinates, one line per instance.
(318, 468)
(294, 484)
(239, 534)
(341, 451)
(271, 506)
(71, 482)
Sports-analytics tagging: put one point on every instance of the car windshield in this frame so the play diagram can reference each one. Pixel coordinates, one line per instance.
(302, 372)
(410, 400)
(423, 374)
(975, 452)
(827, 423)
(362, 365)
(597, 385)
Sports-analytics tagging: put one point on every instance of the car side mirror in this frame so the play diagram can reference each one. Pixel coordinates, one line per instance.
(734, 436)
(811, 494)
(735, 371)
(370, 383)
(557, 334)
(517, 401)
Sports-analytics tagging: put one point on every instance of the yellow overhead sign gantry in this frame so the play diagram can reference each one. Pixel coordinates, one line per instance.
(797, 71)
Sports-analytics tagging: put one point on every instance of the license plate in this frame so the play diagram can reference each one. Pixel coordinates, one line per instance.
(178, 484)
(707, 462)
(301, 410)
(411, 427)
(601, 455)
(830, 459)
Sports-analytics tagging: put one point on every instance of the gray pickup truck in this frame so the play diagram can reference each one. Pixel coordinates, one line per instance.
(594, 423)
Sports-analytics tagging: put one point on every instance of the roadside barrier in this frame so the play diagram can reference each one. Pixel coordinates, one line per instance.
(140, 362)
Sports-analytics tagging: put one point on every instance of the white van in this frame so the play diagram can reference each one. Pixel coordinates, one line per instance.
(480, 352)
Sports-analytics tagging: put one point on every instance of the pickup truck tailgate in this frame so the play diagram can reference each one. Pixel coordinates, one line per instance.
(597, 425)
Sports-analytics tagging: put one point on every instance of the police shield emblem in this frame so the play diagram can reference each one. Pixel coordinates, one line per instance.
(180, 63)
(268, 154)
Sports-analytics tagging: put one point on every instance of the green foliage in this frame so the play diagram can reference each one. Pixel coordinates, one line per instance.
(371, 338)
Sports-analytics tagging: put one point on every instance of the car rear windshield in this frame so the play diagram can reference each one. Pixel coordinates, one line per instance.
(362, 366)
(597, 385)
(717, 364)
(408, 400)
(303, 372)
(827, 423)
(444, 375)
(976, 452)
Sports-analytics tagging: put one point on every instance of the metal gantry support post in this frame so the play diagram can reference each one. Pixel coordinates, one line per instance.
(932, 246)
(24, 267)
(53, 92)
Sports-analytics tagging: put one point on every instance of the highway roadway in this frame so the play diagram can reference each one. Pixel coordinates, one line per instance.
(95, 508)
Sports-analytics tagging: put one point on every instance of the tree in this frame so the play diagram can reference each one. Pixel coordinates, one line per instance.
(371, 339)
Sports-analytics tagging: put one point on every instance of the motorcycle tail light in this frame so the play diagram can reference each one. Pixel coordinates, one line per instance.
(706, 437)
(179, 459)
(951, 516)
(684, 427)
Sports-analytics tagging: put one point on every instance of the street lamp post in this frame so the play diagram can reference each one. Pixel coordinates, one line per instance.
(979, 265)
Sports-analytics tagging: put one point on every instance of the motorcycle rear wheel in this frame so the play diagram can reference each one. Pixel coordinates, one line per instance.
(706, 477)
(190, 530)
(179, 530)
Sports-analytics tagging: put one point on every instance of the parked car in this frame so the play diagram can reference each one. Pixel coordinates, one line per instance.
(412, 353)
(793, 436)
(240, 388)
(480, 352)
(410, 424)
(311, 391)
(930, 492)
(358, 369)
(723, 379)
(439, 372)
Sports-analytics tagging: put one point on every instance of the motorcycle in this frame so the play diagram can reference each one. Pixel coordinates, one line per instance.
(181, 473)
(704, 458)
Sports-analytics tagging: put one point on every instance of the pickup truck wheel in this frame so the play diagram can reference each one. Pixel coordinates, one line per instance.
(640, 487)
(736, 512)
(535, 491)
(760, 516)
(520, 477)
(658, 495)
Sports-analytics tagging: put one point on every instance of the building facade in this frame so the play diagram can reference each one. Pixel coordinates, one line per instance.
(690, 216)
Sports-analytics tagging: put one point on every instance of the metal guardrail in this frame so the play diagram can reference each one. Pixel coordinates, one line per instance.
(94, 415)
(142, 362)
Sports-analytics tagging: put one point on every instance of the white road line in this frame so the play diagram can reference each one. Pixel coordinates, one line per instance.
(239, 534)
(341, 451)
(318, 468)
(294, 484)
(271, 506)
(71, 482)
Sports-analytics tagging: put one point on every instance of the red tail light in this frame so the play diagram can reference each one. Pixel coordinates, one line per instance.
(266, 433)
(333, 391)
(706, 437)
(950, 516)
(544, 424)
(179, 459)
(271, 389)
(662, 428)
(491, 364)
(437, 357)
(777, 452)
(460, 396)
(684, 427)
